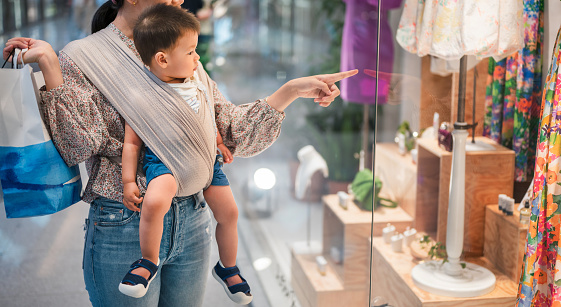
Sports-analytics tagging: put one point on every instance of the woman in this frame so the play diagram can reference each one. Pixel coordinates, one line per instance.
(86, 127)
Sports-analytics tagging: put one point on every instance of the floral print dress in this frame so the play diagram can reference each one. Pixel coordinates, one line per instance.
(513, 95)
(540, 281)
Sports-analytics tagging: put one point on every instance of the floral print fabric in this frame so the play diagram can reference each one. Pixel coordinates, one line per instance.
(450, 29)
(540, 281)
(514, 94)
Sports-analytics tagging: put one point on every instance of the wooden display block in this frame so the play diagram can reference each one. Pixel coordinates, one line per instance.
(398, 174)
(347, 230)
(488, 174)
(391, 279)
(316, 290)
(505, 241)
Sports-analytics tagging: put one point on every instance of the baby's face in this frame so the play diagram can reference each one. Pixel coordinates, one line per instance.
(183, 59)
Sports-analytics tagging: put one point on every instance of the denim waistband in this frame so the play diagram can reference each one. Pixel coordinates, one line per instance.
(195, 200)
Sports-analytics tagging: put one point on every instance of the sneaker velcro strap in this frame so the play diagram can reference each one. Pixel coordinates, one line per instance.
(147, 264)
(134, 279)
(241, 287)
(224, 273)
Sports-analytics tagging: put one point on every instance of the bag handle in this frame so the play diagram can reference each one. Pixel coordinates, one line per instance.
(15, 57)
(15, 54)
(11, 53)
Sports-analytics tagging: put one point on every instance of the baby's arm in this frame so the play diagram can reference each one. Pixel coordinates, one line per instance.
(131, 151)
(226, 154)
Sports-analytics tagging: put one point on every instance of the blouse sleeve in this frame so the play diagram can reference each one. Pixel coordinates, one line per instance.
(73, 114)
(246, 129)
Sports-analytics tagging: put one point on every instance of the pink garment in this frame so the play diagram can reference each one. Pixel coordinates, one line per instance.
(359, 50)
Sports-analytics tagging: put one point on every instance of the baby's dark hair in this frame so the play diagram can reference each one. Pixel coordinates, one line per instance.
(159, 28)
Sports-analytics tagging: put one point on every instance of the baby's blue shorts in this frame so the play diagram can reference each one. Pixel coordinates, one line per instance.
(154, 167)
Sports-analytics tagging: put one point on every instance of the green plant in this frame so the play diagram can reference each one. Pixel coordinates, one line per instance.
(405, 129)
(331, 15)
(437, 250)
(336, 133)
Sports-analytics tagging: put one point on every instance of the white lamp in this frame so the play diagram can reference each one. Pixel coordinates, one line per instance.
(450, 278)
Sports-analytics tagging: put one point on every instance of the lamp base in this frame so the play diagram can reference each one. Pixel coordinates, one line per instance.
(474, 280)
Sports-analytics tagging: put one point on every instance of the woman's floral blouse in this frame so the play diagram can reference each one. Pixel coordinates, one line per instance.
(85, 127)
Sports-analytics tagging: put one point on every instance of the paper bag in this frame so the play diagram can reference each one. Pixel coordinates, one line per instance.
(34, 178)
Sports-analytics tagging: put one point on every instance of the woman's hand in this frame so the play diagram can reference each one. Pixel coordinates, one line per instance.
(131, 196)
(320, 87)
(39, 52)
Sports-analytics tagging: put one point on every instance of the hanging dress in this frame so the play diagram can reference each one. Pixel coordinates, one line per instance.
(513, 95)
(540, 280)
(359, 50)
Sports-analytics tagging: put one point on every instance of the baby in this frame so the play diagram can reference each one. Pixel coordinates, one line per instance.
(166, 39)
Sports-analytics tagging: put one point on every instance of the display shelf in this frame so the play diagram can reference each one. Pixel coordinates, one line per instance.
(488, 174)
(347, 279)
(391, 279)
(398, 174)
(505, 241)
(346, 230)
(316, 290)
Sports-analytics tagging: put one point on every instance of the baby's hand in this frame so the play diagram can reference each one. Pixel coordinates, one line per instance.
(226, 154)
(131, 196)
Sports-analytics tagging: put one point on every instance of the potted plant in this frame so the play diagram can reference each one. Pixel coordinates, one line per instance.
(335, 132)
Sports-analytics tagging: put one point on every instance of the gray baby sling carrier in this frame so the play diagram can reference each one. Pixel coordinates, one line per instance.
(185, 141)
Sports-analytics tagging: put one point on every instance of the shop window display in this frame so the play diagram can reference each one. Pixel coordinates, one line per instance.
(505, 119)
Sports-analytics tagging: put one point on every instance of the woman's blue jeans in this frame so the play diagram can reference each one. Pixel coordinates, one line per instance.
(112, 245)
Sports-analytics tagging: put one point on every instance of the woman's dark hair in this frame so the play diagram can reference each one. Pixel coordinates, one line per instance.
(159, 28)
(105, 14)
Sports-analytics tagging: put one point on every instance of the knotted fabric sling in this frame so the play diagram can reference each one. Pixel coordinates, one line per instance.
(185, 141)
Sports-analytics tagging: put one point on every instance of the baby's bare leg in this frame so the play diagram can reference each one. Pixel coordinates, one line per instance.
(221, 201)
(155, 205)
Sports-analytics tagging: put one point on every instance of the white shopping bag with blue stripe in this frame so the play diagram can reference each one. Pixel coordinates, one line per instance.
(34, 178)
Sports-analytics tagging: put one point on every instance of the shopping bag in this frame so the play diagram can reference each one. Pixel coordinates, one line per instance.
(34, 179)
(365, 196)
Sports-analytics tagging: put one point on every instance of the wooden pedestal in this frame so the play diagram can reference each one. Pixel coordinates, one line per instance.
(391, 279)
(316, 290)
(488, 174)
(398, 174)
(348, 231)
(505, 241)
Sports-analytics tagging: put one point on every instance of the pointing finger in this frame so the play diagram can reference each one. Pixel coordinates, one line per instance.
(370, 72)
(332, 78)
